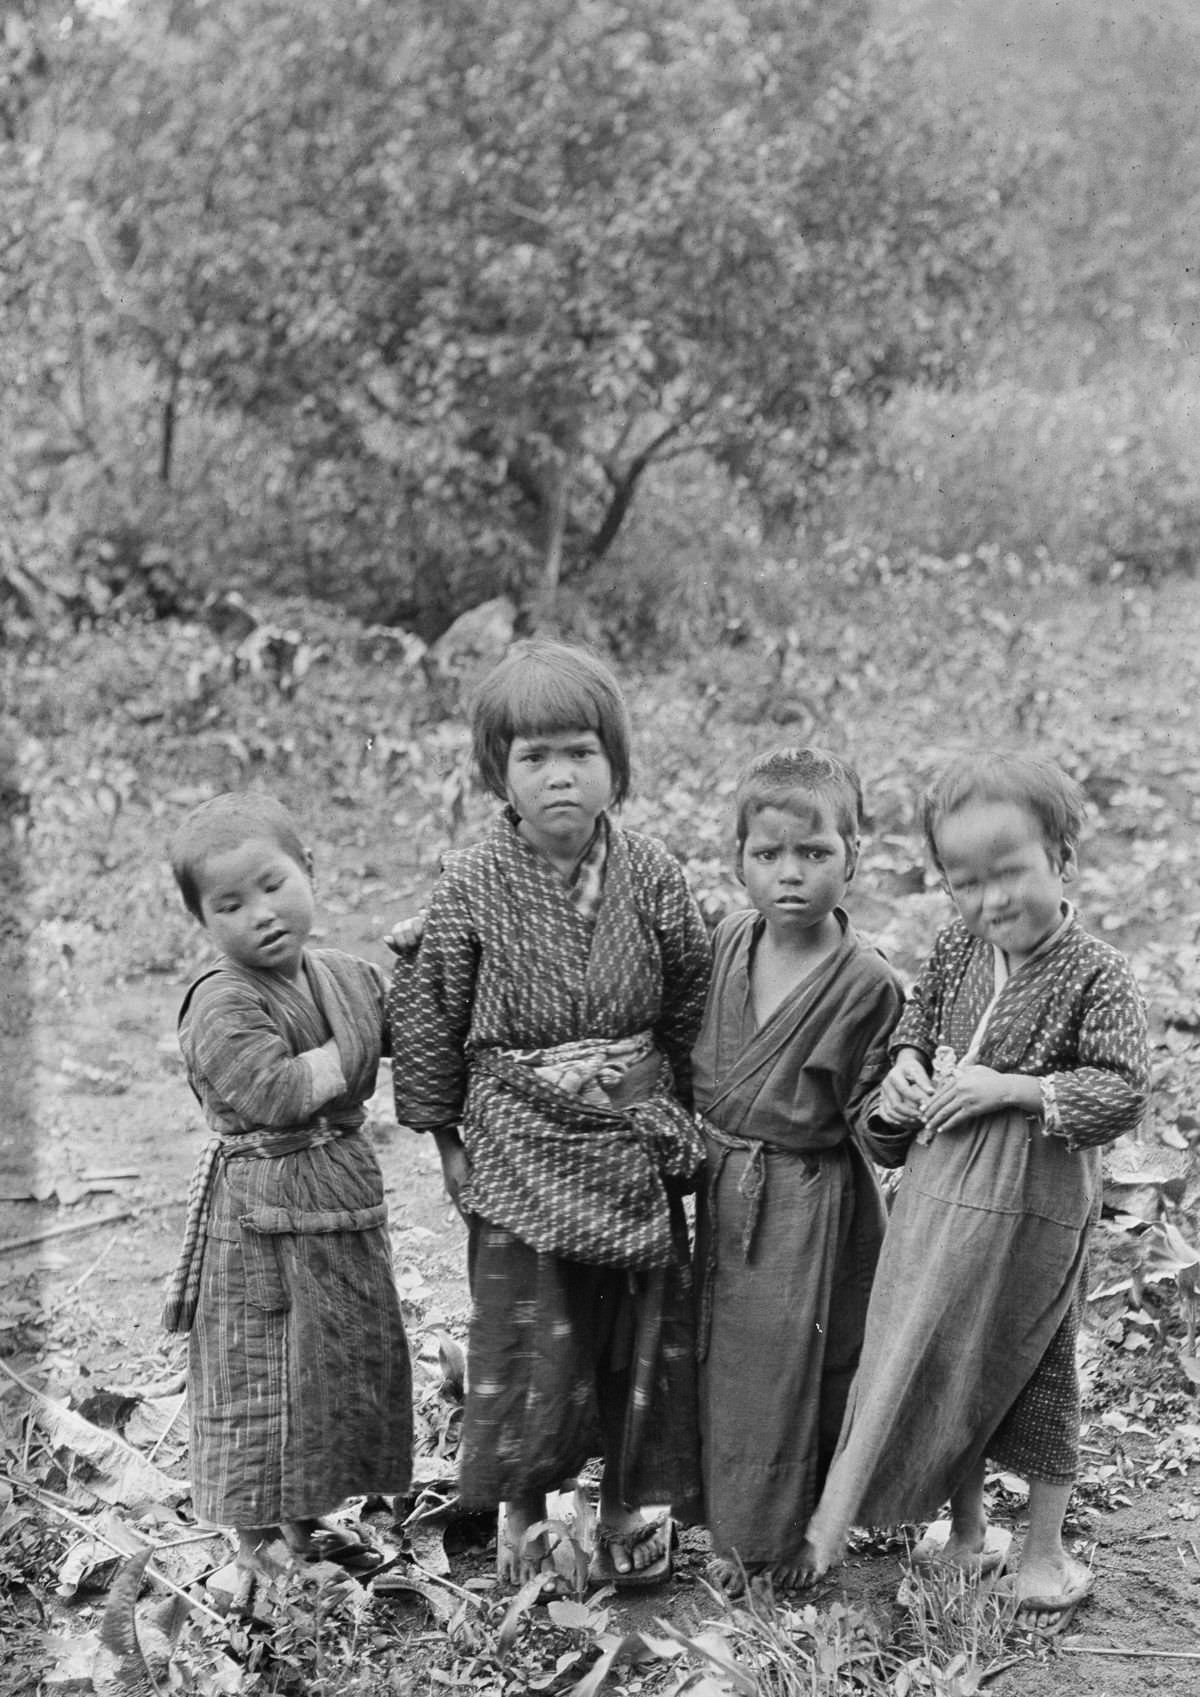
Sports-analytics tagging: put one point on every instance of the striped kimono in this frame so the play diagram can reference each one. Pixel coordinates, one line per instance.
(300, 1387)
(581, 1338)
(970, 1343)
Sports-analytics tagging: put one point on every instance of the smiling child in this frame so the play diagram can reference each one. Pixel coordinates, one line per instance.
(970, 1347)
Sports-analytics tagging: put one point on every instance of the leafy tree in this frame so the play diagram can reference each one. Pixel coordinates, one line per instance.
(462, 273)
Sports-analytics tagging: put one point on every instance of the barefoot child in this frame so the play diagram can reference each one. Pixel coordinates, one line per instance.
(794, 1039)
(970, 1346)
(542, 1035)
(299, 1382)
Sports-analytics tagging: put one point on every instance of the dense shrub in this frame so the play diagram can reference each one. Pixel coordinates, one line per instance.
(1104, 476)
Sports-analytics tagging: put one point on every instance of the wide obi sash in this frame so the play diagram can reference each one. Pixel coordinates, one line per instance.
(261, 1220)
(571, 1148)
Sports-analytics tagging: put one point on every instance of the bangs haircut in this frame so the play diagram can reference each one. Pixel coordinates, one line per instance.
(225, 822)
(544, 688)
(775, 778)
(1043, 789)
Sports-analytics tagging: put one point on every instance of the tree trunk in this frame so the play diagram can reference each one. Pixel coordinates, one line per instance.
(624, 487)
(166, 445)
(556, 487)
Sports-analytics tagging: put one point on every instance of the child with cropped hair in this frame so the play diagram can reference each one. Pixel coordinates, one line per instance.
(793, 1045)
(299, 1380)
(1022, 1051)
(543, 1035)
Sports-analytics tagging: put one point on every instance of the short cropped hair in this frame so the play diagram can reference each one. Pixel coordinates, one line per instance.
(1043, 789)
(225, 822)
(772, 779)
(542, 687)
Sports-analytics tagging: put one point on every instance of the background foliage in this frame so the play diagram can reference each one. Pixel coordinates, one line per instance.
(831, 364)
(401, 304)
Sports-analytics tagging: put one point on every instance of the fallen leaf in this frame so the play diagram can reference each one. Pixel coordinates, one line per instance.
(116, 1472)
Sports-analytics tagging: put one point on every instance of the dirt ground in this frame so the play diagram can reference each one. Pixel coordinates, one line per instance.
(105, 1156)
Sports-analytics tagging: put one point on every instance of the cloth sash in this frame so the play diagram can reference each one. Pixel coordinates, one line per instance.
(343, 1000)
(752, 1186)
(571, 1148)
(183, 1285)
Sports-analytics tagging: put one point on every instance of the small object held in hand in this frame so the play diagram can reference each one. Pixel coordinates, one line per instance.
(945, 1065)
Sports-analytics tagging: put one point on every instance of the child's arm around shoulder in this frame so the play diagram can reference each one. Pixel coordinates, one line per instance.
(236, 1054)
(686, 955)
(429, 1004)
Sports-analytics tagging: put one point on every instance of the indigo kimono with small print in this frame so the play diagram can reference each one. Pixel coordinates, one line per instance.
(969, 1350)
(569, 1356)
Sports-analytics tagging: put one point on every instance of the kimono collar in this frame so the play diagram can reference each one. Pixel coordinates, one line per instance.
(1004, 971)
(758, 925)
(585, 885)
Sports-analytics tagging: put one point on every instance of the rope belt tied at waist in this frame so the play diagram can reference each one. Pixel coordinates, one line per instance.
(752, 1187)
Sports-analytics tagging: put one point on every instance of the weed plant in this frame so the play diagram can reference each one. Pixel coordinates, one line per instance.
(954, 1637)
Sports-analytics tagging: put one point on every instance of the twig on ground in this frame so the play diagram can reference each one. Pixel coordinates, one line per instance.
(47, 1500)
(75, 1226)
(997, 1668)
(1140, 1655)
(83, 1278)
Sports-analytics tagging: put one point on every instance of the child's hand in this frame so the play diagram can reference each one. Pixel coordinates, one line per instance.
(905, 1090)
(971, 1092)
(405, 936)
(455, 1168)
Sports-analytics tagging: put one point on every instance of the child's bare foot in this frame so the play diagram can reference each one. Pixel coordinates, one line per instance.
(321, 1540)
(264, 1553)
(782, 1577)
(777, 1579)
(519, 1556)
(970, 1544)
(726, 1575)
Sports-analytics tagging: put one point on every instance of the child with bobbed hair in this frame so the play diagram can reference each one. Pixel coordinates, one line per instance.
(299, 1379)
(542, 1033)
(791, 1054)
(1022, 1051)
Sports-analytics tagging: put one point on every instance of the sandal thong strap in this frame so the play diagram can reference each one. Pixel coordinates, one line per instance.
(630, 1537)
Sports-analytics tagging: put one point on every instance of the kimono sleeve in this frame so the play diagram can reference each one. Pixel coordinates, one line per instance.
(920, 1022)
(868, 1049)
(687, 967)
(236, 1053)
(1105, 1095)
(429, 1009)
(378, 980)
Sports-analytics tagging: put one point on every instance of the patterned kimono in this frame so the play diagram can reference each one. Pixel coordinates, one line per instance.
(790, 1230)
(581, 1337)
(300, 1386)
(971, 1332)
